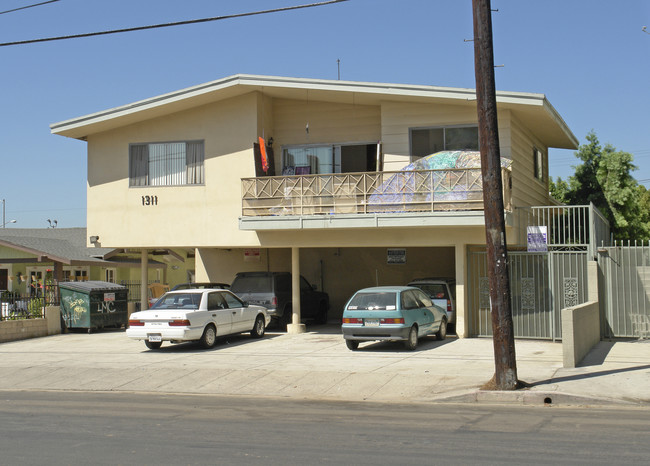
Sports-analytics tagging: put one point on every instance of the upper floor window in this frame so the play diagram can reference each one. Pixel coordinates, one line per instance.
(331, 158)
(166, 164)
(538, 164)
(425, 141)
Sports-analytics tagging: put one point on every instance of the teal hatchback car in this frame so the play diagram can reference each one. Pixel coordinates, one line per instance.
(398, 313)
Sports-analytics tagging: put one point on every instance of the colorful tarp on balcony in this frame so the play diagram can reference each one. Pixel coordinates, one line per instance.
(448, 180)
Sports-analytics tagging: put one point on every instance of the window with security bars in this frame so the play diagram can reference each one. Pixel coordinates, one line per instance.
(166, 164)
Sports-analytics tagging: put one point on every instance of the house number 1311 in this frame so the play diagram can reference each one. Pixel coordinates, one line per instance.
(149, 200)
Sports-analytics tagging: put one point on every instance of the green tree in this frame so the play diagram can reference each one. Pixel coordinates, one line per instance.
(559, 189)
(604, 178)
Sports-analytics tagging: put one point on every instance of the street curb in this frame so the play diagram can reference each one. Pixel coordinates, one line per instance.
(535, 398)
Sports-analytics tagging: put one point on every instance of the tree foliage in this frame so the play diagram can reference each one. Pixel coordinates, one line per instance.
(604, 178)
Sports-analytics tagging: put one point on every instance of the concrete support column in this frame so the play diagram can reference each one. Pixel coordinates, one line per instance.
(144, 279)
(295, 326)
(462, 314)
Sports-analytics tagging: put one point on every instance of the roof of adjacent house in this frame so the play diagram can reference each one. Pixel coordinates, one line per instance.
(534, 109)
(66, 245)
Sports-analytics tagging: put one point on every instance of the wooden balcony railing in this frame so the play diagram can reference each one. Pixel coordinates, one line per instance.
(368, 193)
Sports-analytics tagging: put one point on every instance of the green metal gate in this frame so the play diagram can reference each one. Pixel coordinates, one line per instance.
(625, 289)
(540, 285)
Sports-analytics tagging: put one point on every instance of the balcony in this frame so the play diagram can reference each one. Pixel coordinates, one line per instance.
(400, 198)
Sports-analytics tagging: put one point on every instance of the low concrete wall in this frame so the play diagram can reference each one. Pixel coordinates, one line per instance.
(12, 330)
(580, 332)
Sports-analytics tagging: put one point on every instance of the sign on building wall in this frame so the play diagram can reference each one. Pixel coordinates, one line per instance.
(252, 255)
(537, 239)
(396, 256)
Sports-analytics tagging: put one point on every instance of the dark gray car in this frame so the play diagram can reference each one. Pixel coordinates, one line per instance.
(273, 291)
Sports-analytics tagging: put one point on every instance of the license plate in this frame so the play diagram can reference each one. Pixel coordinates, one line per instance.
(371, 322)
(154, 338)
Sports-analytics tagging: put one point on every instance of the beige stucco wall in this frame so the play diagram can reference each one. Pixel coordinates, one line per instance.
(185, 216)
(526, 189)
(329, 123)
(398, 117)
(207, 215)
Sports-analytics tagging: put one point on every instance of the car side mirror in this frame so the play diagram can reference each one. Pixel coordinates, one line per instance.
(246, 304)
(314, 287)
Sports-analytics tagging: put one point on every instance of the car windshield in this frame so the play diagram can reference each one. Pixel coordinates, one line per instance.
(248, 283)
(370, 301)
(178, 301)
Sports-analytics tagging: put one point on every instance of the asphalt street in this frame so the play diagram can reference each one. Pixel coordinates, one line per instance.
(61, 428)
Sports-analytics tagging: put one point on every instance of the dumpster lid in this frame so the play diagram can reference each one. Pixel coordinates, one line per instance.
(91, 285)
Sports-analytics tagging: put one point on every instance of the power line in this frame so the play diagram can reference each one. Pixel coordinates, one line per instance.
(164, 25)
(28, 6)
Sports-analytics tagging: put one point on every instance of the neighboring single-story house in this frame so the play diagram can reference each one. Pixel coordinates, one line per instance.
(31, 258)
(306, 175)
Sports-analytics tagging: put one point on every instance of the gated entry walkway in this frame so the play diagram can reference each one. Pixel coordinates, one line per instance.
(541, 285)
(625, 290)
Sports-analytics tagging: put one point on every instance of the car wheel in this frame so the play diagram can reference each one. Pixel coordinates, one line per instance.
(258, 328)
(209, 337)
(352, 344)
(321, 318)
(412, 341)
(441, 334)
(153, 344)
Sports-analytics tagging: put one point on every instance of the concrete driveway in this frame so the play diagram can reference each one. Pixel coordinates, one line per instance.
(318, 365)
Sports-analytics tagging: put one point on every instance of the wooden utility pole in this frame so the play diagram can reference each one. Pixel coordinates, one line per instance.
(505, 376)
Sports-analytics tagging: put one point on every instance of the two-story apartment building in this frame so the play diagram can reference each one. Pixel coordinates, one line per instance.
(323, 196)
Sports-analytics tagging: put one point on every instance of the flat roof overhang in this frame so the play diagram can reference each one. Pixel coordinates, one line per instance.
(533, 109)
(380, 220)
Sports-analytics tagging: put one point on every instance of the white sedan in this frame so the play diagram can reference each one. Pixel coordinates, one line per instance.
(196, 315)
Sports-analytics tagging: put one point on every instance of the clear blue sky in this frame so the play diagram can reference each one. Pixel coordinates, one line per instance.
(589, 57)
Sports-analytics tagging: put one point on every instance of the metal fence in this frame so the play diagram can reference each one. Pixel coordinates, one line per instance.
(134, 287)
(625, 289)
(540, 285)
(570, 227)
(14, 305)
(371, 192)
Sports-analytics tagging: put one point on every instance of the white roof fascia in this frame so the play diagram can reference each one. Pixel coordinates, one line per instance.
(379, 89)
(140, 105)
(560, 122)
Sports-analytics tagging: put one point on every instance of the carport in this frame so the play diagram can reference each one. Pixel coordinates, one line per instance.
(339, 271)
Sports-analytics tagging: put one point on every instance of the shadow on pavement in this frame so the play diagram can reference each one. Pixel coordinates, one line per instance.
(597, 356)
(589, 375)
(424, 344)
(227, 341)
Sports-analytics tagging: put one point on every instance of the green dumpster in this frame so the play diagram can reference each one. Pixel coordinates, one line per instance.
(93, 305)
